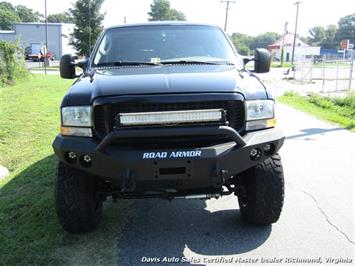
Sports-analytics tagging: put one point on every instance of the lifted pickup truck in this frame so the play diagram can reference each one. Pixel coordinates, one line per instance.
(167, 110)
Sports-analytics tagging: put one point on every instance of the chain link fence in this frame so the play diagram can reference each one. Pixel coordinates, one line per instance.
(333, 73)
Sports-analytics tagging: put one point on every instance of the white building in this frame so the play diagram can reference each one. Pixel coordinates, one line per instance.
(35, 33)
(302, 50)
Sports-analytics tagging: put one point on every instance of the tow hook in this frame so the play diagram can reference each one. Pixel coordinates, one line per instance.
(219, 176)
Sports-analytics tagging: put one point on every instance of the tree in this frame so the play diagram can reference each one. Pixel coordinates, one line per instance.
(317, 35)
(88, 25)
(26, 14)
(323, 37)
(161, 10)
(7, 6)
(346, 28)
(7, 19)
(264, 40)
(8, 16)
(330, 41)
(242, 43)
(64, 17)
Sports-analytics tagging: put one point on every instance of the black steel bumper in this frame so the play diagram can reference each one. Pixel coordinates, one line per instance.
(183, 168)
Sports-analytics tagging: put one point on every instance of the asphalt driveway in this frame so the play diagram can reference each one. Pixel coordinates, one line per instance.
(317, 223)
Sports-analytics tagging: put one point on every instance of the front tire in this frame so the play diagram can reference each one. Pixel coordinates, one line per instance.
(262, 201)
(77, 207)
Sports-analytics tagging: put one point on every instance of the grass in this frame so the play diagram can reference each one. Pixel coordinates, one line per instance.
(337, 110)
(29, 230)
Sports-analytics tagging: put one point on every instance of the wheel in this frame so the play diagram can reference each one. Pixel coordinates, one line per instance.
(77, 208)
(263, 197)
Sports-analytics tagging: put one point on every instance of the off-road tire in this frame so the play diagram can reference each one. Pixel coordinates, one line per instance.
(264, 192)
(77, 208)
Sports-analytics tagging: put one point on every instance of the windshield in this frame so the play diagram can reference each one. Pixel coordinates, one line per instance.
(167, 43)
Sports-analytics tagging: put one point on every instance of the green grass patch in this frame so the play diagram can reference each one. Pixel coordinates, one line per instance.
(336, 110)
(29, 230)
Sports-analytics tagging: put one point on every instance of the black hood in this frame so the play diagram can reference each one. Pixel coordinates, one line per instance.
(139, 80)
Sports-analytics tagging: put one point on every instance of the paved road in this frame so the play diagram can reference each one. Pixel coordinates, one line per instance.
(317, 220)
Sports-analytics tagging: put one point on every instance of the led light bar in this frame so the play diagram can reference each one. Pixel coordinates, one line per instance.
(171, 117)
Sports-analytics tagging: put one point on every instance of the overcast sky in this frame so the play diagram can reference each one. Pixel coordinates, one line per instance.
(246, 16)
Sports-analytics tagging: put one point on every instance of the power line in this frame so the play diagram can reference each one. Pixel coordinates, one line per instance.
(227, 10)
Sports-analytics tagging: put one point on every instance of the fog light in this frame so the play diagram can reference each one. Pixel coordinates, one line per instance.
(71, 157)
(87, 159)
(255, 154)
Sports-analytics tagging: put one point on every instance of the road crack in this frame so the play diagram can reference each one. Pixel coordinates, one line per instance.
(323, 212)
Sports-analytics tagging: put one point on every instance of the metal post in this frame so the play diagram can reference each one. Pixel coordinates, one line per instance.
(46, 27)
(283, 43)
(295, 34)
(227, 10)
(337, 77)
(323, 73)
(351, 69)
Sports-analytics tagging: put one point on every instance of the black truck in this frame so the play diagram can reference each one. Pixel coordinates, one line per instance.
(167, 110)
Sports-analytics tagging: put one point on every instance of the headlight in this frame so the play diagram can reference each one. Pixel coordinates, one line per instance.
(77, 116)
(260, 114)
(76, 121)
(259, 109)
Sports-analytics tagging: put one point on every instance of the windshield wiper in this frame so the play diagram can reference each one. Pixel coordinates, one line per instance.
(195, 62)
(126, 63)
(177, 62)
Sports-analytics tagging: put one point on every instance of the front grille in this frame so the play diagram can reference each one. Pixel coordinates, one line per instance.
(105, 115)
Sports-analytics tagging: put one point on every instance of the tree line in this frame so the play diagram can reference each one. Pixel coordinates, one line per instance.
(326, 37)
(10, 14)
(329, 37)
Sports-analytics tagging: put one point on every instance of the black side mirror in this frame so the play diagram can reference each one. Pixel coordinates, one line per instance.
(67, 67)
(262, 60)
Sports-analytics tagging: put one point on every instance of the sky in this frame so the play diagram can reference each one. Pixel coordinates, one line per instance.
(245, 16)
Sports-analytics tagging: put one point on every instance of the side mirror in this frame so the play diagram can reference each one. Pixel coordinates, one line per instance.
(262, 60)
(67, 67)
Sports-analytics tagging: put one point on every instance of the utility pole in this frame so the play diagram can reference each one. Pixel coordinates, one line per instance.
(295, 34)
(46, 29)
(89, 27)
(227, 10)
(283, 43)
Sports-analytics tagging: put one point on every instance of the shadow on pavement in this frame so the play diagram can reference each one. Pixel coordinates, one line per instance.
(158, 229)
(314, 131)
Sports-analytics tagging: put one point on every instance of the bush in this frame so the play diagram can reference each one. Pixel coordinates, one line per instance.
(12, 65)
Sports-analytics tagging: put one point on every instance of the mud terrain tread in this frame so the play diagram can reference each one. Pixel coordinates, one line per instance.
(265, 192)
(77, 209)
